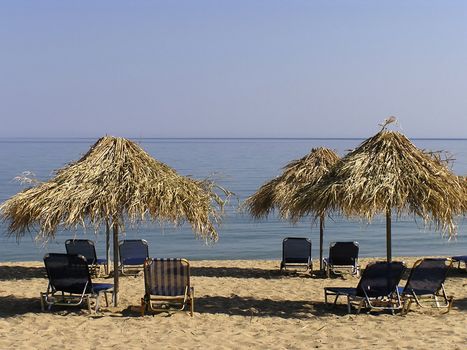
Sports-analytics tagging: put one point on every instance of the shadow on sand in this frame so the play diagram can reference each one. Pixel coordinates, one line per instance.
(252, 307)
(251, 272)
(8, 273)
(460, 304)
(11, 305)
(455, 272)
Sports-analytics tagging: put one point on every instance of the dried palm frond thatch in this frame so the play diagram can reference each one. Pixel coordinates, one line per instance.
(115, 180)
(463, 181)
(277, 193)
(386, 172)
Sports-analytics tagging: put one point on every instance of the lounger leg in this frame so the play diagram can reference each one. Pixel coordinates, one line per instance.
(143, 306)
(106, 299)
(88, 301)
(450, 300)
(192, 302)
(404, 302)
(362, 302)
(436, 301)
(348, 305)
(409, 305)
(42, 302)
(357, 271)
(406, 306)
(97, 302)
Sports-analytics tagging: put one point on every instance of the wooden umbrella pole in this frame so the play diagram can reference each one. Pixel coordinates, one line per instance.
(115, 244)
(388, 235)
(321, 238)
(107, 247)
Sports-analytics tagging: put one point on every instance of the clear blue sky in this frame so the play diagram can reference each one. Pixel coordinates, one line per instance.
(235, 68)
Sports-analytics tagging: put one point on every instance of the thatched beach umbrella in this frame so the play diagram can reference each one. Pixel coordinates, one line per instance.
(387, 173)
(116, 180)
(277, 193)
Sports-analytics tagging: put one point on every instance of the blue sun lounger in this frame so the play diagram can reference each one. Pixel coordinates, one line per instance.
(70, 282)
(425, 285)
(133, 253)
(86, 248)
(377, 288)
(296, 252)
(342, 255)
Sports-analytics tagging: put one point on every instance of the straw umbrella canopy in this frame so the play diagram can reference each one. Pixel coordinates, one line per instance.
(278, 193)
(116, 180)
(387, 173)
(463, 180)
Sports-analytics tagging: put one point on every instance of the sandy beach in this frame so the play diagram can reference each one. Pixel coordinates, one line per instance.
(239, 304)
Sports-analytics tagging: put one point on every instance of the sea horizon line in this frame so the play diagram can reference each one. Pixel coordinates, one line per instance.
(7, 139)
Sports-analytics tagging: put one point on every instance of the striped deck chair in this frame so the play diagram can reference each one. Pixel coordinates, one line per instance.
(425, 285)
(167, 284)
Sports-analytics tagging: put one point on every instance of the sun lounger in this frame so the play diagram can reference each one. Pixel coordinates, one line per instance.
(86, 248)
(460, 259)
(377, 288)
(133, 253)
(425, 285)
(167, 284)
(70, 282)
(296, 252)
(342, 255)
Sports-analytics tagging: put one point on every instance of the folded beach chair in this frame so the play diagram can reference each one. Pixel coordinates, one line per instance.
(133, 253)
(296, 252)
(425, 284)
(342, 255)
(167, 284)
(460, 259)
(70, 282)
(86, 248)
(377, 288)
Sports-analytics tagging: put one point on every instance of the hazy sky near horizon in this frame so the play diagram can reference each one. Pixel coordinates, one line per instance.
(239, 68)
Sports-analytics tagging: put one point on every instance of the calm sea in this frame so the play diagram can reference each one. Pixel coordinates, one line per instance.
(241, 165)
